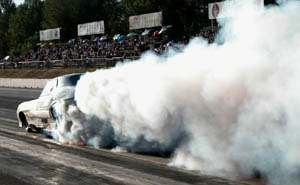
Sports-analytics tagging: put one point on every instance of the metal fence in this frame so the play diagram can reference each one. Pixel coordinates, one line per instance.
(88, 63)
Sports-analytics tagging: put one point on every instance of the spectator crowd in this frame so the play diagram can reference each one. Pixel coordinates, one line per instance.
(124, 47)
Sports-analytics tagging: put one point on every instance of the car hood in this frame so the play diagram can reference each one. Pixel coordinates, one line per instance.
(27, 105)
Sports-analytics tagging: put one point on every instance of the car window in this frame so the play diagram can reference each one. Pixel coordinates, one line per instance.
(69, 80)
(49, 87)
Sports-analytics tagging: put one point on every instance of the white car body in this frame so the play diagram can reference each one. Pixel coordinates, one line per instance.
(39, 112)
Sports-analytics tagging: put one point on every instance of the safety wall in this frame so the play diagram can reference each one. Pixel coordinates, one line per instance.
(23, 83)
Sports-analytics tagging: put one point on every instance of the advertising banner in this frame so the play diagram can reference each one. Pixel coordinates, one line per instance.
(145, 21)
(91, 28)
(226, 9)
(215, 9)
(51, 34)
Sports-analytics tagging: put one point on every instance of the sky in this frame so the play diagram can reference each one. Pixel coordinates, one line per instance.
(18, 1)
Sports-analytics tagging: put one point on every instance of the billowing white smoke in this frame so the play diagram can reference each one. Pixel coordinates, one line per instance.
(74, 127)
(225, 109)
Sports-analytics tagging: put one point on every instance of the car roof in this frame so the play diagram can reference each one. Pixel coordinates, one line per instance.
(69, 75)
(68, 80)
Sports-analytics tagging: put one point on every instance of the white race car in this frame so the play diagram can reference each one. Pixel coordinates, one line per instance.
(40, 113)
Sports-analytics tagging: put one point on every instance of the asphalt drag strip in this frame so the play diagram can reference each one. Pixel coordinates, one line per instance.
(86, 162)
(33, 159)
(6, 179)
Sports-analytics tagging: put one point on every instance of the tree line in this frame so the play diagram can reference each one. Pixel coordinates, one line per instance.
(20, 25)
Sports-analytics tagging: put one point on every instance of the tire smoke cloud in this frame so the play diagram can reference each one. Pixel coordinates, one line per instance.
(229, 109)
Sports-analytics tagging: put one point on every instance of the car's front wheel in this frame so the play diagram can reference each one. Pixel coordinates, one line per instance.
(28, 127)
(23, 120)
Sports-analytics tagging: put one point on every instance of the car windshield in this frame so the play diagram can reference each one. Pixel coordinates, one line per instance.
(70, 80)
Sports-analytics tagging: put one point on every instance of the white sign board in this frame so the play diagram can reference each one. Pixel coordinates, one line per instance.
(225, 9)
(51, 34)
(214, 10)
(145, 21)
(91, 28)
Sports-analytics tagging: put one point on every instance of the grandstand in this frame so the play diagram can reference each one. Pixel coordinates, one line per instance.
(93, 47)
(95, 52)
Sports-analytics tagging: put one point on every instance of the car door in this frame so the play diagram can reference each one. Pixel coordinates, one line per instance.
(44, 101)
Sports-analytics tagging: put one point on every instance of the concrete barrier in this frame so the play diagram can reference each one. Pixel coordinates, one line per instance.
(23, 83)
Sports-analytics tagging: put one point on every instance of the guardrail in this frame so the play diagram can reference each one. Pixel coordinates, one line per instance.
(65, 63)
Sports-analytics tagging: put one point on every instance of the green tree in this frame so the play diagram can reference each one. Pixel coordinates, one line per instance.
(3, 42)
(7, 8)
(68, 14)
(96, 10)
(64, 14)
(113, 17)
(24, 25)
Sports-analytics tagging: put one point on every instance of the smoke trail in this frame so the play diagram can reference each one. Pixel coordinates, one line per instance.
(227, 109)
(74, 127)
